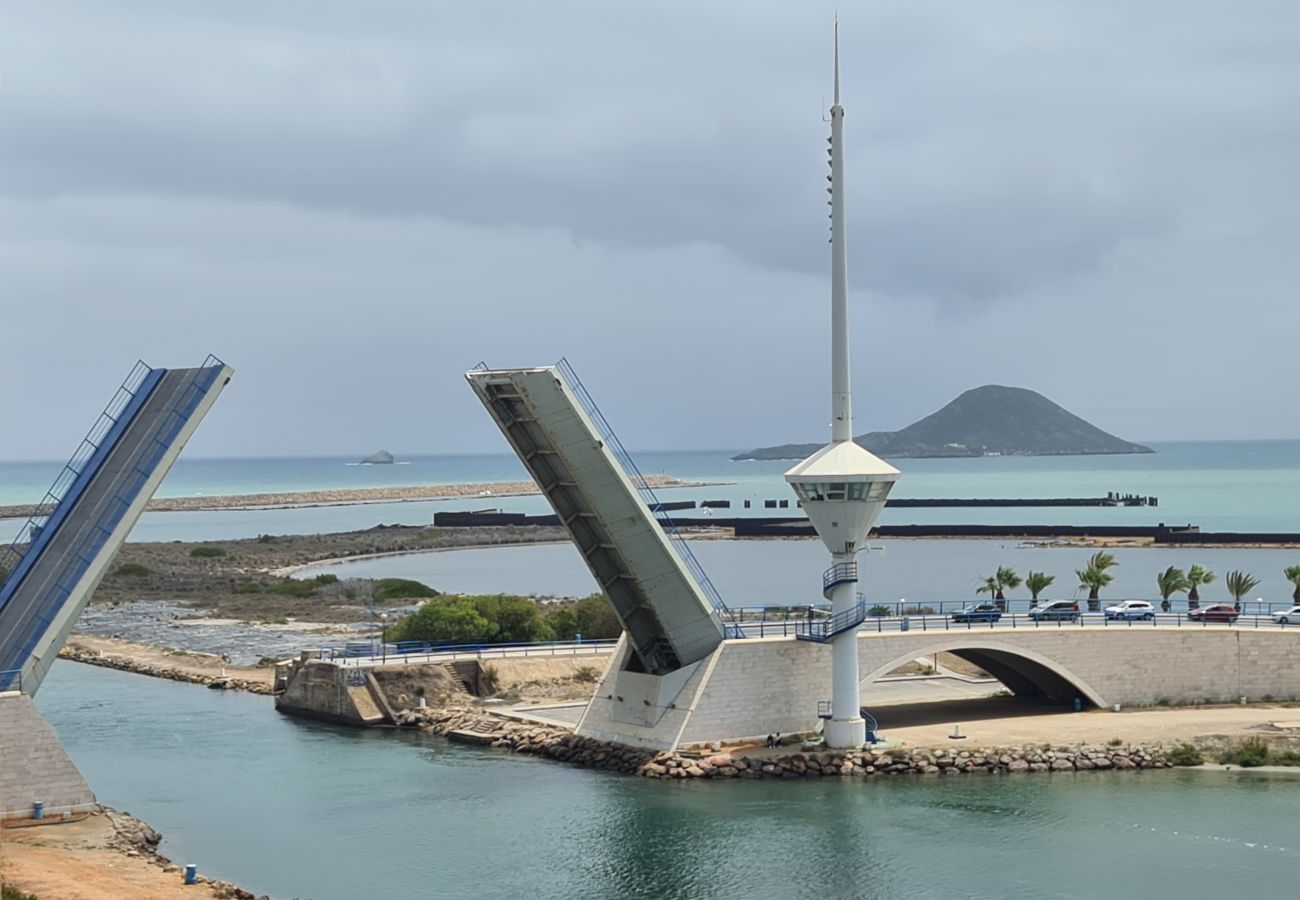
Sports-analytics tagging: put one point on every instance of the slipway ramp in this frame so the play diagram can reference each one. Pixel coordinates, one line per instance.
(62, 552)
(671, 612)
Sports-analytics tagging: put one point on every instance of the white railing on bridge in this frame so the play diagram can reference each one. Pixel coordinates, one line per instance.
(389, 654)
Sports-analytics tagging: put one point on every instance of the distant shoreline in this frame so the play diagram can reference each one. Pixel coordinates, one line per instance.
(349, 496)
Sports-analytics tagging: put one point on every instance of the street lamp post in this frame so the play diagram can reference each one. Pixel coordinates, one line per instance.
(383, 636)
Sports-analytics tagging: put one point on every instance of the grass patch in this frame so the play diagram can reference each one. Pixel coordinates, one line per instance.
(207, 553)
(401, 589)
(300, 587)
(1185, 755)
(248, 587)
(9, 892)
(1248, 754)
(132, 570)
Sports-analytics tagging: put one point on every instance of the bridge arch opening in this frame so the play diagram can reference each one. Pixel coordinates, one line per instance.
(1024, 673)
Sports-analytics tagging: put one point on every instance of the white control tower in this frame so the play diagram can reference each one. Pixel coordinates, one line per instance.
(842, 487)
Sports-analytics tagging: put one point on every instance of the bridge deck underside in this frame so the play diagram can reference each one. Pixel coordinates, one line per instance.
(59, 581)
(668, 620)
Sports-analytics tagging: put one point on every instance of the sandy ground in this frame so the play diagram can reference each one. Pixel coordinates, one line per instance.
(342, 496)
(75, 862)
(1007, 721)
(147, 655)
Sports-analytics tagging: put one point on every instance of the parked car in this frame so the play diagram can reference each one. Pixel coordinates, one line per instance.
(1056, 610)
(1287, 616)
(1219, 612)
(1131, 609)
(977, 612)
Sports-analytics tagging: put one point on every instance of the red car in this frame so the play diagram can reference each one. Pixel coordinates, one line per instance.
(1220, 612)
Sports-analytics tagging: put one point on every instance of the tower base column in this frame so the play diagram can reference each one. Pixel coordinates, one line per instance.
(846, 734)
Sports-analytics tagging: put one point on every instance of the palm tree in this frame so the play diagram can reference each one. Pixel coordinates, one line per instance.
(1094, 577)
(1094, 580)
(1037, 582)
(1171, 581)
(1102, 561)
(1197, 576)
(997, 584)
(1240, 584)
(1291, 573)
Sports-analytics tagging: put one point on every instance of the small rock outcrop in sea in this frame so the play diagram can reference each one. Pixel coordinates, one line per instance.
(379, 458)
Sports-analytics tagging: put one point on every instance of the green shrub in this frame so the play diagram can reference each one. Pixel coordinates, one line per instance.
(132, 570)
(292, 587)
(1285, 758)
(454, 619)
(482, 619)
(401, 589)
(265, 539)
(1115, 742)
(207, 553)
(1250, 753)
(1185, 755)
(326, 579)
(9, 892)
(247, 587)
(592, 617)
(880, 612)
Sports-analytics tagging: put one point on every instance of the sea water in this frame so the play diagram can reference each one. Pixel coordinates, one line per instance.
(302, 809)
(1220, 486)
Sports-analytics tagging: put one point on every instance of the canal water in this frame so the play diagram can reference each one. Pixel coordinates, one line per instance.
(301, 809)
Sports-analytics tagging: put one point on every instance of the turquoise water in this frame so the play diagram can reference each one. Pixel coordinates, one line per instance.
(1221, 486)
(301, 809)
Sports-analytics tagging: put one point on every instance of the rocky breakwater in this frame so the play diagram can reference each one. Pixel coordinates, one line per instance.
(526, 737)
(172, 673)
(899, 761)
(482, 727)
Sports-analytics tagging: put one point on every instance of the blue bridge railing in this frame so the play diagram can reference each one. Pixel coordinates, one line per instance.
(12, 557)
(94, 538)
(615, 446)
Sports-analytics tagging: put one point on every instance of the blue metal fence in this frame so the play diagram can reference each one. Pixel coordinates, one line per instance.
(648, 495)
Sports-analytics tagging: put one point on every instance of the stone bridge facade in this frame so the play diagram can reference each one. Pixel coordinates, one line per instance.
(750, 688)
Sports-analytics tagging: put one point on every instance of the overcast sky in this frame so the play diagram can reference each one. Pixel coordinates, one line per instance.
(352, 203)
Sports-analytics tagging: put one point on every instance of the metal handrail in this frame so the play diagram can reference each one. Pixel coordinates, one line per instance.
(408, 651)
(73, 468)
(96, 536)
(647, 493)
(838, 574)
(7, 680)
(827, 628)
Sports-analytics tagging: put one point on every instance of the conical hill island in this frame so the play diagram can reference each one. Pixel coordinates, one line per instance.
(992, 420)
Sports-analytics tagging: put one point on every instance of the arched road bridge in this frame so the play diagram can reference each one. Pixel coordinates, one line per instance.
(753, 687)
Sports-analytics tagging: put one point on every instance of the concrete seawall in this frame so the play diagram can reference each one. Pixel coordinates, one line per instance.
(324, 690)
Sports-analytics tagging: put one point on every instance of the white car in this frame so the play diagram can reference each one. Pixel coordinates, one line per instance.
(1287, 616)
(1131, 609)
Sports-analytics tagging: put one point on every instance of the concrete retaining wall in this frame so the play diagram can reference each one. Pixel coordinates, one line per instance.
(323, 690)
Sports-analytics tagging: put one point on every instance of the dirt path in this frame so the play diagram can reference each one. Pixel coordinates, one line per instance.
(77, 861)
(157, 661)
